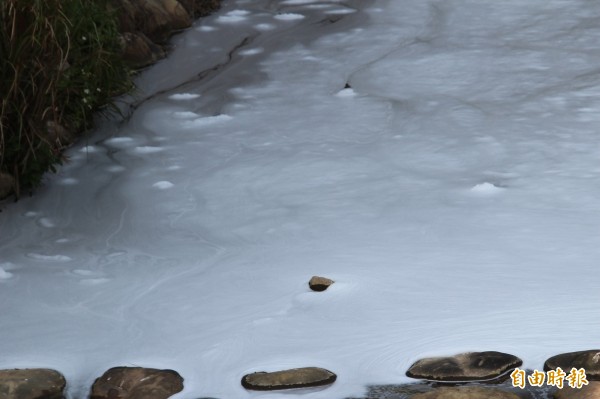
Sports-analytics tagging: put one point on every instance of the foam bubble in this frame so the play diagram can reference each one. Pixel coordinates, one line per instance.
(206, 28)
(252, 51)
(234, 16)
(4, 275)
(163, 185)
(183, 96)
(345, 93)
(147, 149)
(289, 17)
(486, 189)
(340, 11)
(89, 149)
(118, 141)
(185, 114)
(265, 27)
(49, 258)
(209, 120)
(46, 222)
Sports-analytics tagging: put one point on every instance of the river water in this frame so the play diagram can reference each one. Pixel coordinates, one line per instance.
(437, 159)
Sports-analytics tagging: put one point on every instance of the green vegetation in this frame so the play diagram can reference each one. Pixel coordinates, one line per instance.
(59, 62)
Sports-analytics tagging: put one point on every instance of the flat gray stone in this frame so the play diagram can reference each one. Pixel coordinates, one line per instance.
(288, 379)
(470, 366)
(31, 384)
(136, 383)
(588, 360)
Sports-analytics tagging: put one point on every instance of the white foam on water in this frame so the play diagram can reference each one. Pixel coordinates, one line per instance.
(46, 222)
(303, 2)
(48, 258)
(184, 96)
(252, 51)
(119, 142)
(206, 121)
(90, 149)
(346, 93)
(206, 28)
(265, 27)
(163, 185)
(452, 195)
(185, 114)
(289, 16)
(234, 16)
(5, 275)
(341, 11)
(486, 189)
(147, 149)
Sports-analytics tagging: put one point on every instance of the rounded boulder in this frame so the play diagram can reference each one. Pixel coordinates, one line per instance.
(470, 366)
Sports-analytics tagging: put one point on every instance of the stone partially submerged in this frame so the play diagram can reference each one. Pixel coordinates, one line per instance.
(590, 391)
(136, 383)
(470, 366)
(288, 379)
(319, 284)
(589, 360)
(31, 384)
(466, 393)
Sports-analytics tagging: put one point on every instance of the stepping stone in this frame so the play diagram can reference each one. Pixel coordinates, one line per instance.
(317, 283)
(466, 393)
(136, 383)
(590, 391)
(288, 379)
(470, 366)
(31, 384)
(588, 360)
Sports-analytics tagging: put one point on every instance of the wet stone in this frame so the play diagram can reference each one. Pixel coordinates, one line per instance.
(288, 379)
(590, 391)
(466, 393)
(31, 384)
(588, 360)
(317, 283)
(396, 391)
(468, 390)
(139, 51)
(470, 366)
(137, 383)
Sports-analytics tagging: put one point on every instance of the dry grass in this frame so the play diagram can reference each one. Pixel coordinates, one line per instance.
(60, 62)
